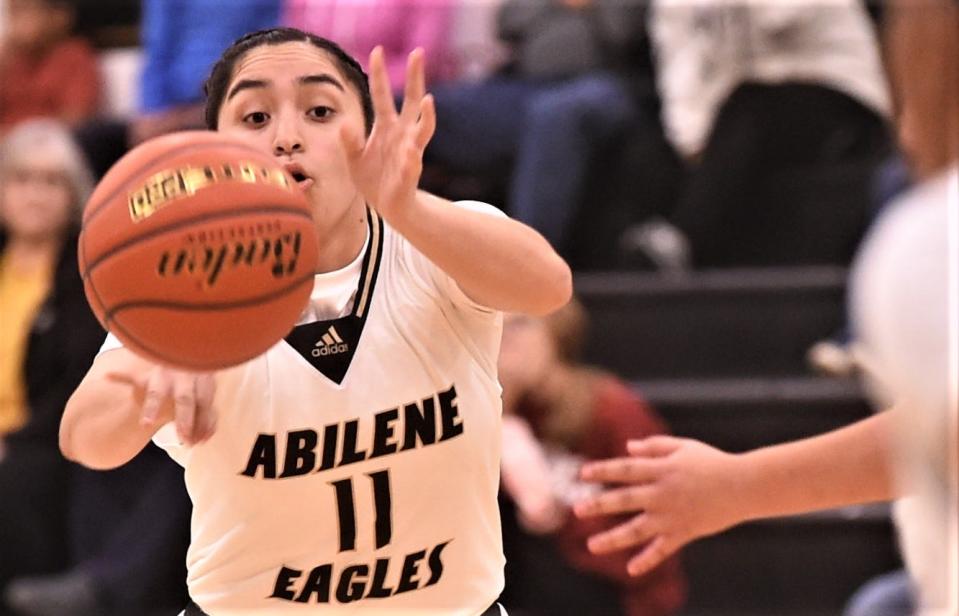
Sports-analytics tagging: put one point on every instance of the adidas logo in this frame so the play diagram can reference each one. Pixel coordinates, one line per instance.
(330, 344)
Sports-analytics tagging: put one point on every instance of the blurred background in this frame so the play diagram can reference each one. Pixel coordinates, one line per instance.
(708, 168)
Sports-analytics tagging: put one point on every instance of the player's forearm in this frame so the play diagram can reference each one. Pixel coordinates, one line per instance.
(844, 467)
(497, 262)
(101, 426)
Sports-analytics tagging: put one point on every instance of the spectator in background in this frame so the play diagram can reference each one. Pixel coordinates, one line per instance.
(905, 320)
(753, 92)
(181, 41)
(569, 91)
(48, 338)
(121, 536)
(44, 71)
(559, 413)
(400, 26)
(128, 535)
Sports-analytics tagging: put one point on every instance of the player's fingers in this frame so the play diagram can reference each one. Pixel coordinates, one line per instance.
(427, 125)
(649, 557)
(629, 534)
(654, 446)
(621, 470)
(184, 406)
(205, 390)
(415, 87)
(157, 391)
(380, 89)
(620, 500)
(138, 380)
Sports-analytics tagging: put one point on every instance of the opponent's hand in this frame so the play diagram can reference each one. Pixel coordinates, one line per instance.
(680, 489)
(186, 398)
(387, 167)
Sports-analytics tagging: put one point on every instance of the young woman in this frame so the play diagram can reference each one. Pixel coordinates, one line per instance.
(363, 478)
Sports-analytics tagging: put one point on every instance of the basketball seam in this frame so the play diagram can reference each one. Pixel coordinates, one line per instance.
(94, 210)
(183, 223)
(165, 357)
(242, 303)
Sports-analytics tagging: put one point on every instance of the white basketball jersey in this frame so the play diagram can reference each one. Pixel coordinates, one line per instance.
(355, 465)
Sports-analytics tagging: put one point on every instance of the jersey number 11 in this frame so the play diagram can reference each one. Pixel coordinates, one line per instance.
(346, 509)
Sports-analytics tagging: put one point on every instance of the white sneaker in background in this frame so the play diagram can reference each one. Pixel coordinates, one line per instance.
(660, 242)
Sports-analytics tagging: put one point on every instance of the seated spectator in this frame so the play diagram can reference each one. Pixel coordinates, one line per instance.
(569, 92)
(181, 41)
(559, 413)
(44, 71)
(764, 99)
(48, 338)
(122, 534)
(400, 26)
(128, 531)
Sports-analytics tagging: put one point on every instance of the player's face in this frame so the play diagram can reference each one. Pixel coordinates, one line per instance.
(292, 101)
(36, 198)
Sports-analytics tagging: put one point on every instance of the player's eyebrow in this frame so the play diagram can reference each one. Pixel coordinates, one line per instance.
(246, 84)
(322, 78)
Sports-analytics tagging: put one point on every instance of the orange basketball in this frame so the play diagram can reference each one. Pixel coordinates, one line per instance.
(198, 251)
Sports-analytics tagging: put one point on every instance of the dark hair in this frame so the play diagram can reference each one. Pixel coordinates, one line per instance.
(216, 84)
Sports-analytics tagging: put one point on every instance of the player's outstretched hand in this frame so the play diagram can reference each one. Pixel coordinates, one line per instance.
(387, 166)
(680, 490)
(186, 398)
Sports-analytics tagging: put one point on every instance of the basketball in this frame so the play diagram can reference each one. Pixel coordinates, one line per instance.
(197, 251)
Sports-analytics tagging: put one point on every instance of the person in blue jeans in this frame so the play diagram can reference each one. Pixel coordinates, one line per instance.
(890, 594)
(577, 72)
(181, 41)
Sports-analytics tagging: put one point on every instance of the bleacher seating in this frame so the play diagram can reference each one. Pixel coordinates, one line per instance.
(721, 356)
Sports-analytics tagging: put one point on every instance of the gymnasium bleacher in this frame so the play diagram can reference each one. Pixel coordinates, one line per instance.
(721, 355)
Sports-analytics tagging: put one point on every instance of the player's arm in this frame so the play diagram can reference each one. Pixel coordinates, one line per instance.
(683, 489)
(122, 402)
(497, 262)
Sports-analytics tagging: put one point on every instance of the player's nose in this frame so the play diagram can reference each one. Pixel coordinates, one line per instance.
(287, 138)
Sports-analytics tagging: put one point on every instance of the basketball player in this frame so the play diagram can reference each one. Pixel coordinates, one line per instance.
(352, 468)
(903, 300)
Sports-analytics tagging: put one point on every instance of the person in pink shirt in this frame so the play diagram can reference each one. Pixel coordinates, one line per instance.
(400, 26)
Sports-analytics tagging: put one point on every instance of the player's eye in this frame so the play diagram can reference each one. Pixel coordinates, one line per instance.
(256, 118)
(320, 112)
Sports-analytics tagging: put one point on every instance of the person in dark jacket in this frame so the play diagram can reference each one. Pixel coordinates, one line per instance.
(72, 541)
(48, 338)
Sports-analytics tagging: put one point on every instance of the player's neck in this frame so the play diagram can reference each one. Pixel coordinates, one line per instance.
(341, 243)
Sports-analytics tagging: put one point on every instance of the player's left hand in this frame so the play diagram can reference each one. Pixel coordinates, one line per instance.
(680, 490)
(387, 167)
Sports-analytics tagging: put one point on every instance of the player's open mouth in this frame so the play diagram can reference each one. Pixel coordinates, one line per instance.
(302, 180)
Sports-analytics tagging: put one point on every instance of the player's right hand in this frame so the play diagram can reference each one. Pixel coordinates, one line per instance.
(167, 394)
